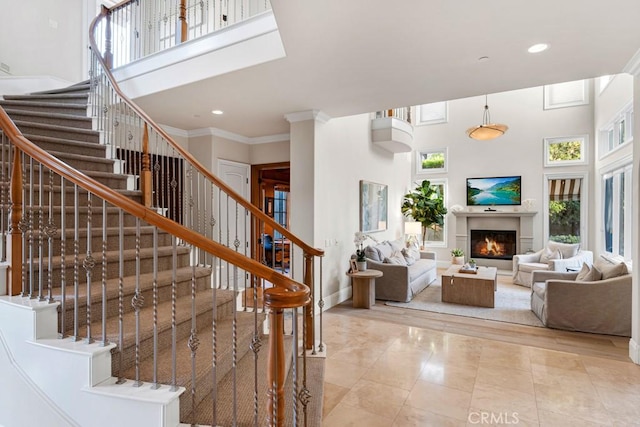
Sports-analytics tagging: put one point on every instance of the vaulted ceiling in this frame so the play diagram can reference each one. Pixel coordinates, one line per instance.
(358, 56)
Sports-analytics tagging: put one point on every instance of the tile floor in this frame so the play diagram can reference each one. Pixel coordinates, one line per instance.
(380, 373)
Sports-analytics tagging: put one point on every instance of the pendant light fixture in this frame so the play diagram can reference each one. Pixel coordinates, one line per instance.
(487, 130)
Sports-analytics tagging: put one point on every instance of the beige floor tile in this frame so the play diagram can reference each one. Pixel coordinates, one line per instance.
(623, 376)
(376, 398)
(458, 376)
(397, 369)
(583, 402)
(623, 407)
(342, 373)
(357, 355)
(440, 400)
(551, 419)
(507, 378)
(416, 417)
(506, 355)
(331, 396)
(556, 359)
(498, 400)
(548, 375)
(349, 416)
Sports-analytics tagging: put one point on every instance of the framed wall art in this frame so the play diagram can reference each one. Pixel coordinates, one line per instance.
(373, 206)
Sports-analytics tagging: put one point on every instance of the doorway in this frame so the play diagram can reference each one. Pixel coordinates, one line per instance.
(270, 192)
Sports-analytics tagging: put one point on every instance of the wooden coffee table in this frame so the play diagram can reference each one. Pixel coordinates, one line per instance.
(468, 288)
(364, 287)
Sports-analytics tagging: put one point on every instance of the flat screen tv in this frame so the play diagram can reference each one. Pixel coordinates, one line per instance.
(495, 191)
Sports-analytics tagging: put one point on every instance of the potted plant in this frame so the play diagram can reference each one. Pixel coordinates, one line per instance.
(425, 205)
(458, 256)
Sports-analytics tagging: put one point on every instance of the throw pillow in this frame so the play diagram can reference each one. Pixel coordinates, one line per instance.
(396, 245)
(409, 259)
(411, 252)
(372, 253)
(396, 258)
(613, 270)
(548, 254)
(568, 250)
(588, 274)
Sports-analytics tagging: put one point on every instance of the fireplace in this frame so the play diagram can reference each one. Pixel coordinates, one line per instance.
(493, 244)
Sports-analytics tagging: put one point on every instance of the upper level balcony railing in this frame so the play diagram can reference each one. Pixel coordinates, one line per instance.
(140, 28)
(402, 113)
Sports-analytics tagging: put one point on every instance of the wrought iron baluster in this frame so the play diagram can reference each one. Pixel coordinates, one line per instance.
(321, 307)
(294, 365)
(105, 340)
(174, 328)
(40, 233)
(193, 342)
(50, 231)
(121, 379)
(155, 384)
(63, 251)
(137, 302)
(88, 264)
(30, 235)
(76, 256)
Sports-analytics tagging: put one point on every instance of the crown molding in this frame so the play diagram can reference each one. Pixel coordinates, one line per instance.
(633, 66)
(221, 133)
(302, 116)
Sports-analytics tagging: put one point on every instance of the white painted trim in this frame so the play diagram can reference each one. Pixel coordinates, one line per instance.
(634, 351)
(336, 298)
(175, 131)
(281, 137)
(584, 151)
(302, 116)
(211, 131)
(633, 66)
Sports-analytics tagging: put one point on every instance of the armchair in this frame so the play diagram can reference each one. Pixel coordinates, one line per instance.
(559, 257)
(601, 307)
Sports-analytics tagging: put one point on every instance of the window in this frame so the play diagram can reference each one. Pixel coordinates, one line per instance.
(431, 161)
(280, 210)
(437, 236)
(565, 151)
(619, 131)
(565, 209)
(569, 94)
(617, 212)
(431, 114)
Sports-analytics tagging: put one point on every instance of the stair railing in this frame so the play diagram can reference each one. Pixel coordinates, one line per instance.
(402, 113)
(177, 186)
(144, 27)
(49, 200)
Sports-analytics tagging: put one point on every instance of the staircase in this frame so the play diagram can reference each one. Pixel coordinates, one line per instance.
(155, 294)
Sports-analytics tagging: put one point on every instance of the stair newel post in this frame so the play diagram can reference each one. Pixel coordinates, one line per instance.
(308, 309)
(108, 55)
(183, 21)
(15, 240)
(145, 174)
(276, 368)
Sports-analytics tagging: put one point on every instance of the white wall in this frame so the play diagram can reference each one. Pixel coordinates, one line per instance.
(274, 152)
(345, 155)
(518, 152)
(31, 53)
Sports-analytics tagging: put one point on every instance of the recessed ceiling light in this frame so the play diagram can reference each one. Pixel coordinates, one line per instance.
(217, 112)
(537, 48)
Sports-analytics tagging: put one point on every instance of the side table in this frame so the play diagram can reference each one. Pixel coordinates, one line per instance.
(364, 287)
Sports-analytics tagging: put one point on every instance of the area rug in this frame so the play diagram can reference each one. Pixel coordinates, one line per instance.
(512, 305)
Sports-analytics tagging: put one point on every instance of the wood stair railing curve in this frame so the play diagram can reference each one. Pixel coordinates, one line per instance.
(287, 293)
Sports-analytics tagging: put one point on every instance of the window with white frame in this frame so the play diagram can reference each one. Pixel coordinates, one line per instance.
(565, 151)
(437, 236)
(617, 132)
(616, 215)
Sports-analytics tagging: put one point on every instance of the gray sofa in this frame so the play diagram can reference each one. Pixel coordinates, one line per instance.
(400, 282)
(571, 258)
(600, 306)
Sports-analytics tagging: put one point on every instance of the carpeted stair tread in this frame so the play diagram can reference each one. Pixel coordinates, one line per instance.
(57, 107)
(82, 157)
(245, 391)
(163, 279)
(164, 320)
(73, 120)
(83, 86)
(58, 131)
(82, 96)
(52, 139)
(204, 355)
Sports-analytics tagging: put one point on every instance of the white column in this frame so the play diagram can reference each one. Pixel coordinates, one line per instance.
(634, 344)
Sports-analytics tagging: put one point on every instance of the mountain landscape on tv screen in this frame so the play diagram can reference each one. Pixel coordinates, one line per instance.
(493, 191)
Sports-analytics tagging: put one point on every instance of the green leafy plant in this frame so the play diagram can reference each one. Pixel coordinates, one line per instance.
(425, 205)
(457, 252)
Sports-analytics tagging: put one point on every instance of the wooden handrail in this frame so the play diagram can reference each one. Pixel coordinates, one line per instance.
(190, 158)
(297, 294)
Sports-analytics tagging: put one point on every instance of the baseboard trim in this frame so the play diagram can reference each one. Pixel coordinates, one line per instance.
(336, 298)
(634, 351)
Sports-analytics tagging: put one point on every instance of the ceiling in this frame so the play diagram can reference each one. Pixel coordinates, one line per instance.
(358, 56)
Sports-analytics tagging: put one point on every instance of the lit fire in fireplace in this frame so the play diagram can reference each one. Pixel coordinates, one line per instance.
(491, 248)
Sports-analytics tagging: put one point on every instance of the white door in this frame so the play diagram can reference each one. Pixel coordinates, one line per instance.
(234, 221)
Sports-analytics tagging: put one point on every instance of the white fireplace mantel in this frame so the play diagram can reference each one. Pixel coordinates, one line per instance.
(522, 219)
